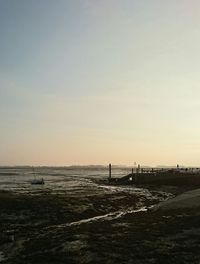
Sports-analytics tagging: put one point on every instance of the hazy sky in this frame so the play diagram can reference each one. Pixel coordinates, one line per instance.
(98, 81)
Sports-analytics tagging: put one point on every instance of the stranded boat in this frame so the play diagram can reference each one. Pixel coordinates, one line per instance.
(37, 181)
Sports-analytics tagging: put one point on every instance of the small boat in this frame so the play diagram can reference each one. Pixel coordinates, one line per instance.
(37, 181)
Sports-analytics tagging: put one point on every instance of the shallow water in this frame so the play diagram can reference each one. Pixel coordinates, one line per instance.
(71, 181)
(56, 179)
(106, 217)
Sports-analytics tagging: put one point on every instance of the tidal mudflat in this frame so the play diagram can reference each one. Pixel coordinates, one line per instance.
(96, 223)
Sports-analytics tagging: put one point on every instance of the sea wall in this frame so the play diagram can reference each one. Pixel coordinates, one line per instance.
(165, 178)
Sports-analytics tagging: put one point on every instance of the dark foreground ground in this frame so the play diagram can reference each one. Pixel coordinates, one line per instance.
(36, 229)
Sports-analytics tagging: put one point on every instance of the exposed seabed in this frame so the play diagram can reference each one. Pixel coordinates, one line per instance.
(108, 224)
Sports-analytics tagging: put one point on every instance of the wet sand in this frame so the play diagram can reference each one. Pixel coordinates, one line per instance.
(96, 227)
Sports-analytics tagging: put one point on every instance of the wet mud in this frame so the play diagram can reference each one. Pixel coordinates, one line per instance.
(102, 224)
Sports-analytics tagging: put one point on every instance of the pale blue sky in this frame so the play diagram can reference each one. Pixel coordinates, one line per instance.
(92, 82)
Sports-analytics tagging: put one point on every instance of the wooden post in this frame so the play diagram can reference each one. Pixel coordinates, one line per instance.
(110, 171)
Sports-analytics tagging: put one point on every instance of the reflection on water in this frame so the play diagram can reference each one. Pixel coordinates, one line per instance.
(107, 217)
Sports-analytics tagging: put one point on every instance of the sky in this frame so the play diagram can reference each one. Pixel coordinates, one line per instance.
(99, 81)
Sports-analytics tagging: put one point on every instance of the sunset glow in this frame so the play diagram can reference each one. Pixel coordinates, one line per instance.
(93, 82)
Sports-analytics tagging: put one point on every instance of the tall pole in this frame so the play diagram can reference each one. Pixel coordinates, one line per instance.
(110, 171)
